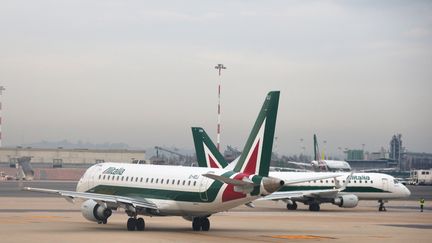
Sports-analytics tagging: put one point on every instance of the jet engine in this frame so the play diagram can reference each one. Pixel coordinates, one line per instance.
(346, 201)
(95, 212)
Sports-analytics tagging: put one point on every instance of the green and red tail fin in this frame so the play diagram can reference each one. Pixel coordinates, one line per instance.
(256, 155)
(206, 152)
(317, 155)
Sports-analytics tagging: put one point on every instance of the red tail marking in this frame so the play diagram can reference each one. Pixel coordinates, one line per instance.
(252, 163)
(229, 193)
(213, 164)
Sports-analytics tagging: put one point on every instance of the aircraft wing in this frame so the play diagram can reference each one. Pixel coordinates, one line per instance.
(325, 193)
(329, 193)
(101, 198)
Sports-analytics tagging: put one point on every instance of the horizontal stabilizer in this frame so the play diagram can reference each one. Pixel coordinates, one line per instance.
(230, 181)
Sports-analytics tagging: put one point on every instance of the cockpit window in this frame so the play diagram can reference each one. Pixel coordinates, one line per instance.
(396, 181)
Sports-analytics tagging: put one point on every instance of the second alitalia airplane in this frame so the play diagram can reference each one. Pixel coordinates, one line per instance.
(342, 189)
(191, 192)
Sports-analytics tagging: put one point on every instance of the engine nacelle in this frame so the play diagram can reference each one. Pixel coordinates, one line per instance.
(95, 212)
(346, 201)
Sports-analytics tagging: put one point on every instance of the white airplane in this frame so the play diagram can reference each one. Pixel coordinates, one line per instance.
(321, 164)
(342, 189)
(191, 192)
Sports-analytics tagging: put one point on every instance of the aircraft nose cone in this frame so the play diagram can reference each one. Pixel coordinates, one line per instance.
(407, 192)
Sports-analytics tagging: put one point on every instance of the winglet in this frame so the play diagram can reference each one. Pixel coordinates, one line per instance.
(343, 187)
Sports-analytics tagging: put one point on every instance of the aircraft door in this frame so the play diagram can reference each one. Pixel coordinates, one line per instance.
(91, 174)
(203, 189)
(385, 184)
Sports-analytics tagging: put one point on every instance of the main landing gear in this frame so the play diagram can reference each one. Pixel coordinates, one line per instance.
(314, 207)
(381, 206)
(292, 206)
(201, 223)
(135, 223)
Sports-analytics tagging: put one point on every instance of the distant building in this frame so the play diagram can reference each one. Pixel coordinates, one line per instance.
(382, 154)
(396, 149)
(370, 164)
(411, 161)
(231, 153)
(60, 157)
(355, 154)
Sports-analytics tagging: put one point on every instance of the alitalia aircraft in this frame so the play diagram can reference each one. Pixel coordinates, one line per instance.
(191, 192)
(320, 164)
(342, 189)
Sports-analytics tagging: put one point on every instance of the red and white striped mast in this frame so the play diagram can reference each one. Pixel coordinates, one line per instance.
(219, 67)
(1, 93)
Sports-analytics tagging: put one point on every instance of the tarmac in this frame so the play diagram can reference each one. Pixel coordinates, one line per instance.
(42, 218)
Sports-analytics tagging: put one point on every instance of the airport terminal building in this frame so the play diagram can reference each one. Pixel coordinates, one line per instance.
(59, 157)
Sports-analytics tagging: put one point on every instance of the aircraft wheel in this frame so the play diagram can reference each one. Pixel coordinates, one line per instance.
(292, 206)
(131, 224)
(105, 221)
(196, 224)
(314, 207)
(205, 224)
(140, 224)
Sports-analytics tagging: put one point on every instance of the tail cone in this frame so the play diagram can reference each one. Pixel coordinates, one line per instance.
(272, 184)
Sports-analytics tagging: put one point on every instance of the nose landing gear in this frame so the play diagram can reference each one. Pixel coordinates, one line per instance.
(381, 206)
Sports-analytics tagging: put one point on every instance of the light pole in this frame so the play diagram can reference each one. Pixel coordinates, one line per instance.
(1, 93)
(219, 67)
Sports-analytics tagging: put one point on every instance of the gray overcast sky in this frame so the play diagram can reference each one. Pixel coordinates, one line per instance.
(142, 72)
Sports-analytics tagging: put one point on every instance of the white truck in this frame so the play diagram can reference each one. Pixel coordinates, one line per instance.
(421, 177)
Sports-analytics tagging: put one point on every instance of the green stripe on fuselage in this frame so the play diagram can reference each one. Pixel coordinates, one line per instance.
(151, 193)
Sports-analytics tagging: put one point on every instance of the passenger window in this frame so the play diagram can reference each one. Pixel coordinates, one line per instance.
(178, 182)
(326, 181)
(184, 182)
(147, 180)
(194, 183)
(162, 181)
(365, 181)
(118, 177)
(314, 181)
(321, 181)
(189, 183)
(108, 177)
(360, 181)
(141, 179)
(122, 178)
(100, 176)
(355, 181)
(173, 181)
(332, 181)
(104, 177)
(167, 181)
(157, 180)
(132, 178)
(151, 180)
(371, 182)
